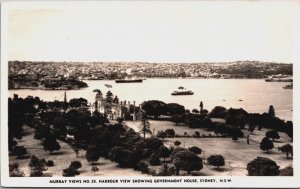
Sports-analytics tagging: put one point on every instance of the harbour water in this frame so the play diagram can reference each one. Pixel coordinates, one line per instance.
(253, 95)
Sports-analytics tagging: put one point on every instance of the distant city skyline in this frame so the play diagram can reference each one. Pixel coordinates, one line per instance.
(155, 32)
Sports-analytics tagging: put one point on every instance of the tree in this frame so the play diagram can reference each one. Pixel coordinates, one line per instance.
(123, 156)
(164, 152)
(271, 111)
(95, 169)
(262, 166)
(287, 149)
(76, 148)
(116, 100)
(174, 108)
(92, 154)
(161, 134)
(75, 164)
(178, 119)
(197, 134)
(201, 106)
(170, 133)
(154, 108)
(235, 133)
(146, 126)
(154, 159)
(143, 166)
(50, 163)
(251, 128)
(195, 111)
(266, 144)
(70, 172)
(187, 161)
(216, 160)
(273, 134)
(14, 170)
(177, 143)
(50, 144)
(37, 166)
(195, 150)
(19, 151)
(109, 97)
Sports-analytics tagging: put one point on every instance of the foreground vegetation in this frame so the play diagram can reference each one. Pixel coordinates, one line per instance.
(94, 139)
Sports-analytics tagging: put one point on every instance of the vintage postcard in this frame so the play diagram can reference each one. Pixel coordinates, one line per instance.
(150, 93)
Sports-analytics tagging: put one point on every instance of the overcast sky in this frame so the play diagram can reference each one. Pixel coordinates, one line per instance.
(156, 31)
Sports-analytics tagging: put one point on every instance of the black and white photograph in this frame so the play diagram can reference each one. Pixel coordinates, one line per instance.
(162, 93)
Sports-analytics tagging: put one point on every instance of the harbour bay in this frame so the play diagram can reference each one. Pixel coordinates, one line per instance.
(253, 95)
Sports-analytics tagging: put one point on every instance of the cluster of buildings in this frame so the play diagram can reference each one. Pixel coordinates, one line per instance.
(33, 71)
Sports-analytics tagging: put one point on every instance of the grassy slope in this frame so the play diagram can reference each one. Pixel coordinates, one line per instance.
(63, 158)
(237, 154)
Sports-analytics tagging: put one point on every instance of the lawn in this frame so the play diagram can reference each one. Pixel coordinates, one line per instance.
(236, 154)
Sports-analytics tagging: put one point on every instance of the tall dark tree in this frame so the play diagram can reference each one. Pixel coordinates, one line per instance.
(271, 111)
(109, 97)
(116, 100)
(201, 106)
(145, 126)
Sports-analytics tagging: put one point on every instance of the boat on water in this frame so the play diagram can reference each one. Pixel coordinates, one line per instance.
(108, 85)
(279, 80)
(182, 91)
(129, 81)
(288, 86)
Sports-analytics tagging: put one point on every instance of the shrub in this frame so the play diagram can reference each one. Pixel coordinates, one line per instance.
(50, 163)
(37, 166)
(165, 170)
(262, 166)
(154, 159)
(288, 171)
(177, 143)
(19, 151)
(216, 160)
(170, 133)
(95, 169)
(197, 134)
(161, 134)
(14, 170)
(70, 172)
(143, 166)
(75, 165)
(195, 150)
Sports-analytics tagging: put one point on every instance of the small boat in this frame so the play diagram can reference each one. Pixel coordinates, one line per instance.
(240, 100)
(108, 85)
(288, 86)
(129, 81)
(279, 80)
(182, 91)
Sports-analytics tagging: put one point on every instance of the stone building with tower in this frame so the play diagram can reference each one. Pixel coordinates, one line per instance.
(113, 108)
